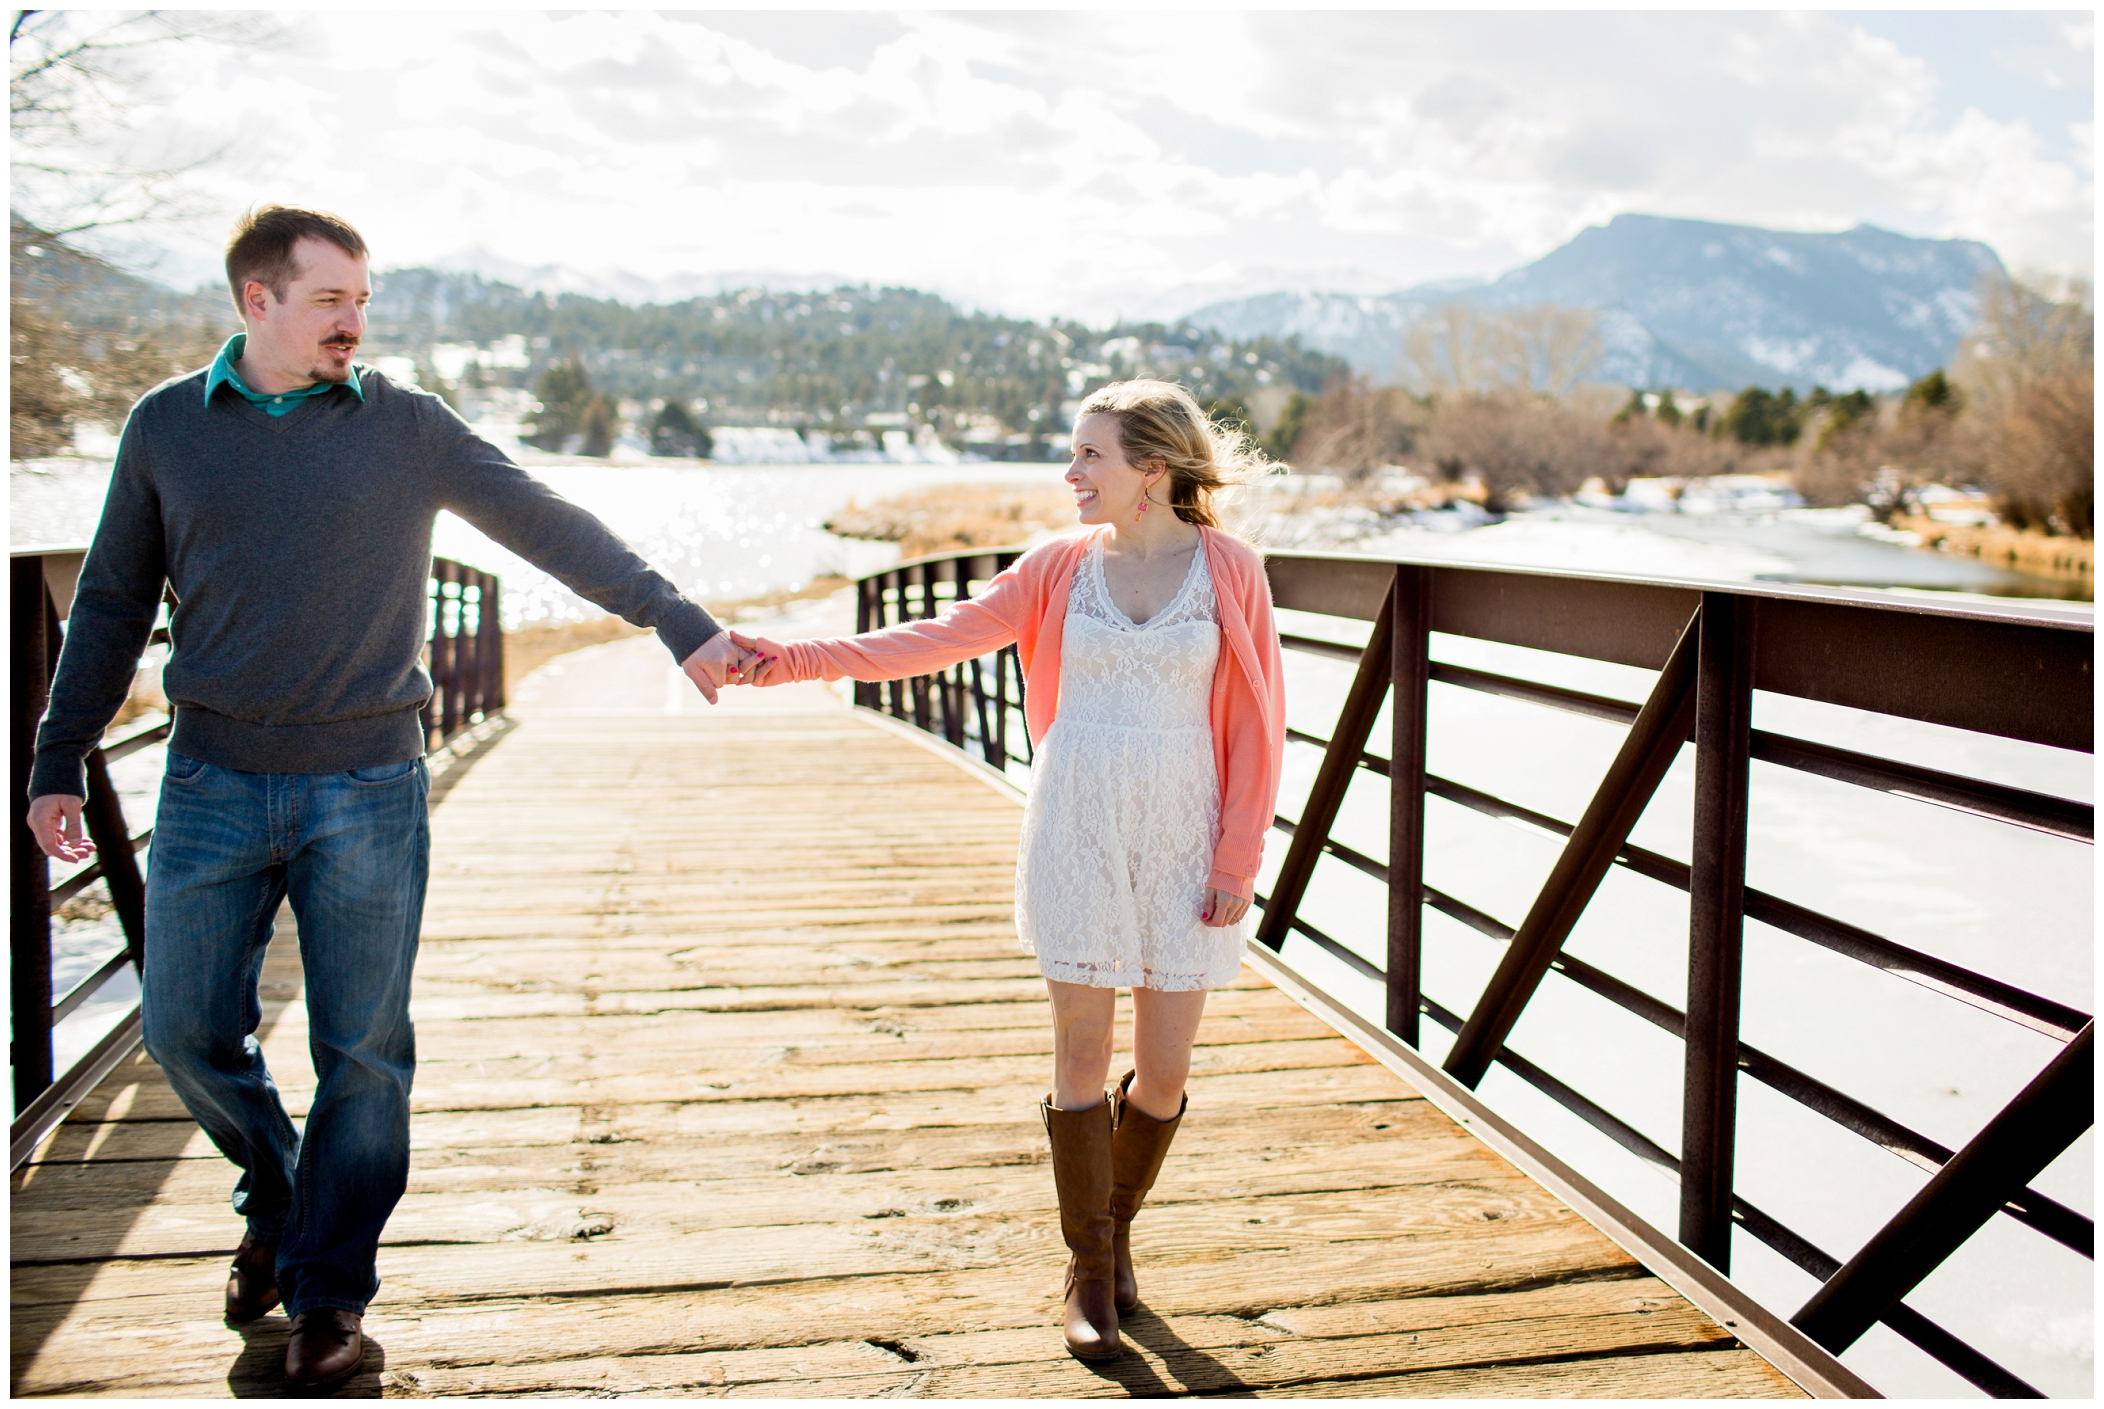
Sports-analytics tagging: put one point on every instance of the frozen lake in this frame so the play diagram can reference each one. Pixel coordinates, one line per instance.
(2012, 903)
(721, 533)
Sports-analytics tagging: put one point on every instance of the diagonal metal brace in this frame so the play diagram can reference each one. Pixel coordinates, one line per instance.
(1347, 742)
(1653, 742)
(2030, 1133)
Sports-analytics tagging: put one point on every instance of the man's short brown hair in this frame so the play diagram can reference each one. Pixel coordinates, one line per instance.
(261, 246)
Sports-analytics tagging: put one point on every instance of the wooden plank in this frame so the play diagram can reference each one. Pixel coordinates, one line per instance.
(731, 1113)
(929, 1209)
(592, 1346)
(880, 1062)
(1333, 1143)
(1200, 1354)
(1616, 1328)
(693, 1121)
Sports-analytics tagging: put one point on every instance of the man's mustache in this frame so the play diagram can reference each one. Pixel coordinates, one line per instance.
(341, 340)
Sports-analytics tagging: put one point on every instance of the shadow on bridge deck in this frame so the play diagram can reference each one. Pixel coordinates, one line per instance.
(728, 1063)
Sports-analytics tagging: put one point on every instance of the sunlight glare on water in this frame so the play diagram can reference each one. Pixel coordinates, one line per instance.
(721, 534)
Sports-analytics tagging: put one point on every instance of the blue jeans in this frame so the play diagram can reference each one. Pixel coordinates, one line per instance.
(352, 852)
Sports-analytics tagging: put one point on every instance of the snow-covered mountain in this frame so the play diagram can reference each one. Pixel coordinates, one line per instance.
(626, 287)
(1691, 304)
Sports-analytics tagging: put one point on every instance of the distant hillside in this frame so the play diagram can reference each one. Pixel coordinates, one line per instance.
(86, 338)
(822, 359)
(1690, 303)
(622, 286)
(93, 294)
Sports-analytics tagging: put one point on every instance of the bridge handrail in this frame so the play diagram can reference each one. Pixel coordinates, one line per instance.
(465, 648)
(2006, 669)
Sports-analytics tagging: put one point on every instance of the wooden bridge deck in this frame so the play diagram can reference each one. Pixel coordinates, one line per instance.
(728, 1063)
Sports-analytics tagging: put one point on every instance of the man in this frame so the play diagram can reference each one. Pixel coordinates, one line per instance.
(286, 494)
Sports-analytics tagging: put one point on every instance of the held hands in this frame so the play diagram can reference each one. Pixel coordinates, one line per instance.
(766, 657)
(54, 819)
(1222, 908)
(720, 661)
(731, 658)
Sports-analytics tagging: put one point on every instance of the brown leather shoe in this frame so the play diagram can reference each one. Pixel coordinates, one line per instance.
(1137, 1148)
(1081, 1173)
(326, 1346)
(252, 1287)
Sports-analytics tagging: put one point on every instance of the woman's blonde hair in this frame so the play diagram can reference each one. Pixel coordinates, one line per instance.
(1161, 420)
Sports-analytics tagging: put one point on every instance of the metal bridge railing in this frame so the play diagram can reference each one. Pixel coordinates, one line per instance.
(466, 654)
(1979, 668)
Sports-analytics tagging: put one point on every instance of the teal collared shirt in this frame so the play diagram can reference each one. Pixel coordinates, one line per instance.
(274, 403)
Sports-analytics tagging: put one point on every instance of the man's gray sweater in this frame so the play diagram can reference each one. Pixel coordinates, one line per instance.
(299, 551)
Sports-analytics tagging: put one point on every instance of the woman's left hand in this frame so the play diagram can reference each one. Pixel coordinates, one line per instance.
(762, 656)
(1222, 908)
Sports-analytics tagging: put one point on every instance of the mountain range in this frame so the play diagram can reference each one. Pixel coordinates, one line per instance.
(621, 285)
(1688, 304)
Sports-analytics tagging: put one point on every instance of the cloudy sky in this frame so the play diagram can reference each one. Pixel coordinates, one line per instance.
(1092, 163)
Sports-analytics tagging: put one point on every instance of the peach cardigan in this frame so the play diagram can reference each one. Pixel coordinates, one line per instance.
(1027, 604)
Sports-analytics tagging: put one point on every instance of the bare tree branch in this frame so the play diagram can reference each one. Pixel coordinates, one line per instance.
(1459, 349)
(84, 157)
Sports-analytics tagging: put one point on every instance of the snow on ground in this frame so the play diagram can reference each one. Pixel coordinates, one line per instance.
(1620, 547)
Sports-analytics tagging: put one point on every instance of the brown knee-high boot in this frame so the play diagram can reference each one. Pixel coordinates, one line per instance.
(1081, 1143)
(1138, 1145)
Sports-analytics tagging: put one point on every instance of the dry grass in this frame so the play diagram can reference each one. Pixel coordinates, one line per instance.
(529, 648)
(768, 603)
(2024, 550)
(948, 517)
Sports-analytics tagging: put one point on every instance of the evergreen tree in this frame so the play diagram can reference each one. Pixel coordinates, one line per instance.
(1631, 409)
(1285, 432)
(599, 424)
(1668, 410)
(674, 431)
(1760, 417)
(1841, 411)
(1933, 393)
(564, 392)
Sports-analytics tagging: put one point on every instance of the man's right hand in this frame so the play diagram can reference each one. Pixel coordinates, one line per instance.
(718, 662)
(54, 819)
(765, 657)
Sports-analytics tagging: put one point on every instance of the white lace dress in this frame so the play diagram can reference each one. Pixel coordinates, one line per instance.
(1124, 808)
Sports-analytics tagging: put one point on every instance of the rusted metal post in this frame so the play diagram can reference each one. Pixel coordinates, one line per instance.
(2046, 1117)
(1716, 925)
(1409, 681)
(441, 653)
(1001, 659)
(104, 816)
(492, 651)
(451, 717)
(868, 695)
(891, 610)
(432, 663)
(1347, 742)
(467, 666)
(953, 678)
(1653, 742)
(29, 872)
(918, 577)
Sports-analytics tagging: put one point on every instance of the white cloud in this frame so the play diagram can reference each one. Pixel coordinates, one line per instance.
(1022, 160)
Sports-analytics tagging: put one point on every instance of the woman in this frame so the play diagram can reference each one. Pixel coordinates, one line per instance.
(1152, 686)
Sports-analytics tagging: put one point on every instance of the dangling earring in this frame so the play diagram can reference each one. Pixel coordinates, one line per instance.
(1142, 508)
